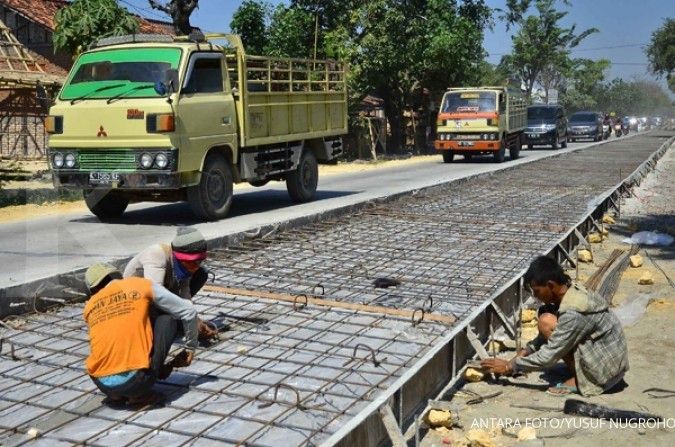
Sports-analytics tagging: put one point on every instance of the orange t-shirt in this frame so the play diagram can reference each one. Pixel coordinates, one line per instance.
(120, 330)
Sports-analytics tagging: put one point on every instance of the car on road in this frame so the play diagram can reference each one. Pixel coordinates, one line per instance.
(546, 125)
(585, 126)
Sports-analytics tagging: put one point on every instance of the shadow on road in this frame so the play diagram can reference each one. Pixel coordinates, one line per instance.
(180, 214)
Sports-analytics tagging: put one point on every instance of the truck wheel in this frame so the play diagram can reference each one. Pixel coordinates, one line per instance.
(514, 151)
(498, 157)
(564, 143)
(212, 197)
(301, 183)
(448, 156)
(105, 204)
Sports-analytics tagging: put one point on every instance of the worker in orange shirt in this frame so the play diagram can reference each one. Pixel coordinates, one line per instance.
(132, 325)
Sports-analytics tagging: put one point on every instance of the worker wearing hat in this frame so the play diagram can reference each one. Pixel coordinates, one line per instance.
(178, 267)
(132, 324)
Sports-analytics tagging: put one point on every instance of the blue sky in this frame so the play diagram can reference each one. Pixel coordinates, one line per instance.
(625, 25)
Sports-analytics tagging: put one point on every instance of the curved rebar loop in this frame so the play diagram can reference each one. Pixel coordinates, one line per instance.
(429, 308)
(374, 359)
(12, 353)
(211, 274)
(273, 230)
(421, 319)
(323, 289)
(253, 234)
(297, 307)
(311, 245)
(297, 403)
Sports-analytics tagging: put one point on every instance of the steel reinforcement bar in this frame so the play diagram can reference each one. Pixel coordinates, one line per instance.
(338, 331)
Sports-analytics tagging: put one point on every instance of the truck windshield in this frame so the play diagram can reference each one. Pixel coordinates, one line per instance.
(120, 69)
(541, 114)
(583, 118)
(470, 102)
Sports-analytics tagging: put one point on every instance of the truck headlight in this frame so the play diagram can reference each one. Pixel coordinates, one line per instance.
(70, 160)
(58, 160)
(146, 160)
(161, 160)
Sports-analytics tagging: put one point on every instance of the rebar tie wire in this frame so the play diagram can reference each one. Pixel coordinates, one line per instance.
(298, 404)
(373, 357)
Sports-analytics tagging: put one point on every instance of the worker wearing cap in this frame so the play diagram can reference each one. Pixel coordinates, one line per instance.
(178, 267)
(132, 325)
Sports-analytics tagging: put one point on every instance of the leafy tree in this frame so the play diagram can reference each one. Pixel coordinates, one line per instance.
(83, 22)
(584, 82)
(291, 33)
(542, 42)
(249, 21)
(661, 52)
(179, 11)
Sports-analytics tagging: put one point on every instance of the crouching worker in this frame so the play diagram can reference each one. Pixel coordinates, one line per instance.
(178, 267)
(132, 324)
(576, 326)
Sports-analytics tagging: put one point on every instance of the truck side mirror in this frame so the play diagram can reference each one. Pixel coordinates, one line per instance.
(168, 86)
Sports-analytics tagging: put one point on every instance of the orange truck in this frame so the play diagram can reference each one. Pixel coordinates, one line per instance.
(481, 120)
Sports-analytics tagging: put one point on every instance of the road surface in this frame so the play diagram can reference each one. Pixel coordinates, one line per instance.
(40, 247)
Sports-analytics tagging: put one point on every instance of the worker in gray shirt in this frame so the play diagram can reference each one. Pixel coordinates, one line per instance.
(178, 267)
(577, 328)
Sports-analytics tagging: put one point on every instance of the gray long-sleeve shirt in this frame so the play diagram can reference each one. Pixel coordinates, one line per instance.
(180, 309)
(588, 329)
(156, 264)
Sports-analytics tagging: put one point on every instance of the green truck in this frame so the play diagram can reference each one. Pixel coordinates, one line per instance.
(160, 118)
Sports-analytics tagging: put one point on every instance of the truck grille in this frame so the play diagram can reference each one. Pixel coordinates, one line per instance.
(121, 160)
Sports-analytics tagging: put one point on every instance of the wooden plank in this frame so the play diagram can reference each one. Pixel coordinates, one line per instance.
(300, 300)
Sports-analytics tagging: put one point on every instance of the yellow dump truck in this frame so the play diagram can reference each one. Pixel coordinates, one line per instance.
(158, 118)
(481, 120)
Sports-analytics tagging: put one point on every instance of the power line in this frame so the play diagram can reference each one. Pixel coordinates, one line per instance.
(144, 12)
(578, 50)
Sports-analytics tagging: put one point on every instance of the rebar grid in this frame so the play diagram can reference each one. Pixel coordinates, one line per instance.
(292, 375)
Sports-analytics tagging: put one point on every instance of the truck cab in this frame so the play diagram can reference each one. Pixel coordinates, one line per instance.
(158, 118)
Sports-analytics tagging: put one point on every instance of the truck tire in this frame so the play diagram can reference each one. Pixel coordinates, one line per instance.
(301, 183)
(498, 157)
(448, 156)
(564, 143)
(212, 197)
(514, 151)
(105, 204)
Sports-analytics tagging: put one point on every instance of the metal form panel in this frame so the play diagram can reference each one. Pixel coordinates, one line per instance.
(314, 353)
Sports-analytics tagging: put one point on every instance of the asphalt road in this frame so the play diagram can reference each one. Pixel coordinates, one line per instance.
(41, 247)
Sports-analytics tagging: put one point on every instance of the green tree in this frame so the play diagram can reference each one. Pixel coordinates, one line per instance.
(541, 42)
(397, 48)
(661, 52)
(291, 33)
(249, 21)
(585, 84)
(83, 22)
(179, 11)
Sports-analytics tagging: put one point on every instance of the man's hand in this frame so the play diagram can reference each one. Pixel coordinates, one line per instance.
(523, 353)
(206, 332)
(497, 366)
(183, 359)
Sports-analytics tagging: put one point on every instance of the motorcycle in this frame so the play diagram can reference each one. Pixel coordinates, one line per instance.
(606, 131)
(617, 130)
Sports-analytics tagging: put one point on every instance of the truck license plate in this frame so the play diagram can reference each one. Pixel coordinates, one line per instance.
(532, 135)
(466, 143)
(103, 178)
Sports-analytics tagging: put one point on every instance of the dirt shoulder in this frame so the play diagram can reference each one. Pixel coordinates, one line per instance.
(42, 199)
(647, 312)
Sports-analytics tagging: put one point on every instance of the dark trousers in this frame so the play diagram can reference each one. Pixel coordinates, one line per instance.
(164, 330)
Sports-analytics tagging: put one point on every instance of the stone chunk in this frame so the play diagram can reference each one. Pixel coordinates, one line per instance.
(473, 375)
(439, 418)
(479, 438)
(527, 433)
(527, 315)
(594, 238)
(607, 219)
(646, 279)
(585, 256)
(636, 261)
